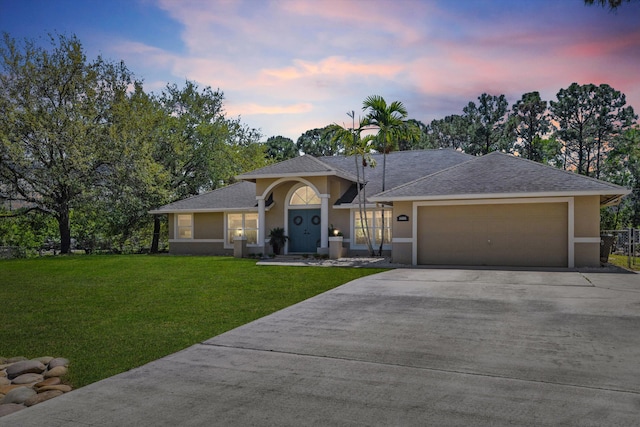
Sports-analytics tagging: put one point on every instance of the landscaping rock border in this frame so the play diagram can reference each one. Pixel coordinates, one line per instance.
(27, 382)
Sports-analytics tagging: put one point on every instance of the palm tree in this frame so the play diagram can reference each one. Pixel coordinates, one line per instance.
(392, 125)
(359, 148)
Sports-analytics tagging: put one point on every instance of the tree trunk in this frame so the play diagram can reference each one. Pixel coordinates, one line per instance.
(156, 234)
(64, 225)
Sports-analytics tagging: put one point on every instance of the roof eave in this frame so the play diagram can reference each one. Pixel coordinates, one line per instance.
(617, 194)
(204, 210)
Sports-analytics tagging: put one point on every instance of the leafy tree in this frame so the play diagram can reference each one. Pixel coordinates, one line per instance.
(198, 147)
(588, 116)
(449, 132)
(611, 117)
(487, 124)
(574, 111)
(622, 167)
(530, 121)
(418, 140)
(392, 126)
(319, 142)
(280, 148)
(55, 116)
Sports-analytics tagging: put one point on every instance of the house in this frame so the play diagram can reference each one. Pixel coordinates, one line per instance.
(438, 207)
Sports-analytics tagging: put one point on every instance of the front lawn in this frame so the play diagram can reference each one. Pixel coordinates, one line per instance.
(108, 314)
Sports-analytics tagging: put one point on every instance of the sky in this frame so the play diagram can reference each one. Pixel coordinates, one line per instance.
(287, 66)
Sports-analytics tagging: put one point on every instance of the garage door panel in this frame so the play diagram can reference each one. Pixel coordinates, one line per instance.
(502, 234)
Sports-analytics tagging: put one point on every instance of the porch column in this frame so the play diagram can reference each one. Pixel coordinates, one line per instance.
(324, 223)
(262, 232)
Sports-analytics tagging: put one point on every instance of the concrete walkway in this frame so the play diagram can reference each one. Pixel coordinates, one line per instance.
(405, 347)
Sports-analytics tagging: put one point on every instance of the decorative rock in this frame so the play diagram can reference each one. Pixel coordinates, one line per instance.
(18, 395)
(41, 397)
(10, 408)
(25, 367)
(16, 359)
(58, 371)
(3, 360)
(2, 368)
(4, 381)
(48, 381)
(60, 387)
(44, 360)
(58, 361)
(28, 379)
(7, 388)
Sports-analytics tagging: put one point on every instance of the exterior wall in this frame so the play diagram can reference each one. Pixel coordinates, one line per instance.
(528, 234)
(172, 226)
(194, 247)
(587, 231)
(402, 240)
(208, 225)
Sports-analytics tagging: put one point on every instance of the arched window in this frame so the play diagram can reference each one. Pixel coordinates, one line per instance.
(304, 196)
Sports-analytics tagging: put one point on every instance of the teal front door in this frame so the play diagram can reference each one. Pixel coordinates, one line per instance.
(304, 230)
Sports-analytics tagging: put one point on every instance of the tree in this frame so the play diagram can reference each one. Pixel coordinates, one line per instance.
(487, 124)
(613, 4)
(199, 148)
(360, 148)
(530, 121)
(319, 142)
(392, 126)
(55, 115)
(588, 116)
(622, 167)
(418, 141)
(611, 117)
(449, 132)
(280, 148)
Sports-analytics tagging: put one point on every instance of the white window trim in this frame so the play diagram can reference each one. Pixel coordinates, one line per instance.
(228, 245)
(352, 218)
(176, 228)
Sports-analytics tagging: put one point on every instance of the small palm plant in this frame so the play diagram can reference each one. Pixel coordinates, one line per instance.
(277, 239)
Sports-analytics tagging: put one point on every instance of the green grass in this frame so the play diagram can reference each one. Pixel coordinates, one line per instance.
(623, 261)
(108, 314)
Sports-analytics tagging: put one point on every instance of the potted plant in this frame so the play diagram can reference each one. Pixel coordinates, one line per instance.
(277, 239)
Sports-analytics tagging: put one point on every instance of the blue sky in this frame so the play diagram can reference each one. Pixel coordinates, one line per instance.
(287, 66)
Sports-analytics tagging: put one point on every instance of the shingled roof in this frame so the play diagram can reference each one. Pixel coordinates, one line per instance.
(500, 175)
(298, 166)
(238, 196)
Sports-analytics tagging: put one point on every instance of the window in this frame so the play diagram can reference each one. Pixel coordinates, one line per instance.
(185, 226)
(242, 224)
(304, 196)
(374, 223)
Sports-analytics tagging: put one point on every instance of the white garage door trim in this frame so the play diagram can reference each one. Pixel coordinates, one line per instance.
(570, 218)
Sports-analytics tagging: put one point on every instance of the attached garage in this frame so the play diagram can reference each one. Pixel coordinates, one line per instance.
(499, 234)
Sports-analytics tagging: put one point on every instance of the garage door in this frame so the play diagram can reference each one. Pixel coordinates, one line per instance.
(529, 234)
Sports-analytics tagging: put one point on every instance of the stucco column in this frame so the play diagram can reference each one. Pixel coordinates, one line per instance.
(262, 231)
(324, 223)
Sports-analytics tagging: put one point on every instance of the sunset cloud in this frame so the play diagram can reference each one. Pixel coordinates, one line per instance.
(286, 66)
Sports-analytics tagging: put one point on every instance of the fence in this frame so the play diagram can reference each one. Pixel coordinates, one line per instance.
(623, 242)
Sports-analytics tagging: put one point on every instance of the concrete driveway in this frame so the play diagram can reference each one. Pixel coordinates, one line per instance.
(405, 347)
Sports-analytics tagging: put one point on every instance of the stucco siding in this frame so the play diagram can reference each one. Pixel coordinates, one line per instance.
(208, 225)
(194, 247)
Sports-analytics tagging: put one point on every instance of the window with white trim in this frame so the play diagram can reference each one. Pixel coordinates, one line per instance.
(304, 195)
(184, 226)
(375, 227)
(242, 224)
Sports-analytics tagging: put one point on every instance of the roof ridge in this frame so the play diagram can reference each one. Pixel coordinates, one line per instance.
(474, 158)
